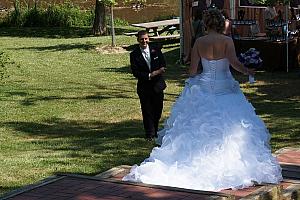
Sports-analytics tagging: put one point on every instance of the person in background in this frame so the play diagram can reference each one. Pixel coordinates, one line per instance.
(270, 15)
(270, 12)
(228, 24)
(279, 7)
(293, 20)
(197, 26)
(197, 30)
(292, 14)
(148, 66)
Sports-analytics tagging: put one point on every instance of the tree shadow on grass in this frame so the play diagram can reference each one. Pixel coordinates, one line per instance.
(101, 94)
(278, 101)
(50, 32)
(60, 47)
(54, 32)
(119, 70)
(278, 94)
(101, 145)
(112, 143)
(15, 93)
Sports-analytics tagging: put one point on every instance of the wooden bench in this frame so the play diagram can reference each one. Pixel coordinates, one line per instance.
(164, 37)
(131, 33)
(172, 29)
(136, 32)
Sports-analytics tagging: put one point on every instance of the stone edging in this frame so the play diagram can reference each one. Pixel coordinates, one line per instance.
(292, 192)
(285, 149)
(109, 174)
(27, 188)
(114, 171)
(267, 192)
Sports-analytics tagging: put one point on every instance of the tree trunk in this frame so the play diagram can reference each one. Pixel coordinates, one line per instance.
(99, 27)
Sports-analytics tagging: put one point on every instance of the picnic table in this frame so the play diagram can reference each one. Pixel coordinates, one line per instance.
(163, 29)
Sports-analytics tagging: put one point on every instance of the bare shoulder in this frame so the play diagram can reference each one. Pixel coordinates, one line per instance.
(218, 37)
(228, 40)
(203, 41)
(203, 38)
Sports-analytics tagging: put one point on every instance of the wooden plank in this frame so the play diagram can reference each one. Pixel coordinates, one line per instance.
(135, 33)
(157, 23)
(131, 33)
(165, 37)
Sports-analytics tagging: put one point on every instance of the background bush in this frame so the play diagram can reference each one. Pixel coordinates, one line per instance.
(120, 22)
(62, 15)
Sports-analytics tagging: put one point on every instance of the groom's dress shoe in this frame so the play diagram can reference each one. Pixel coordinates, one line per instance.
(149, 138)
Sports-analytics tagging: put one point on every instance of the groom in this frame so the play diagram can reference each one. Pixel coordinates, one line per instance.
(147, 65)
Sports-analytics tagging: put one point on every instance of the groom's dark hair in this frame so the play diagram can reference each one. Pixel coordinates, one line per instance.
(142, 32)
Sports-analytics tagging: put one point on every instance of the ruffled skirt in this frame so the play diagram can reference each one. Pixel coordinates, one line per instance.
(213, 140)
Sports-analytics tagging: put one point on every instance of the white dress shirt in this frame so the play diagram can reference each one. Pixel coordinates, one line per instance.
(146, 55)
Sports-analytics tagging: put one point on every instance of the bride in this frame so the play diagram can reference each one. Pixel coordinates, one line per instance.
(212, 140)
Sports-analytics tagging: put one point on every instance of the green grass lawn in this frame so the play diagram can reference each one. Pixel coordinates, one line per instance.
(72, 109)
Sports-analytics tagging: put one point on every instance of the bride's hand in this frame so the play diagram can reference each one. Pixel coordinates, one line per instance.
(250, 71)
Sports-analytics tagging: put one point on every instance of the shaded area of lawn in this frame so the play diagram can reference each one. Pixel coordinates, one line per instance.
(277, 100)
(64, 146)
(56, 32)
(88, 137)
(61, 47)
(53, 32)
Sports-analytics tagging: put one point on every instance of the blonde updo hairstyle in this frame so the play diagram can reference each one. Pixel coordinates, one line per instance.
(213, 19)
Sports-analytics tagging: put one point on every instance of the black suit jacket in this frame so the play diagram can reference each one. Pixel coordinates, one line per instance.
(141, 71)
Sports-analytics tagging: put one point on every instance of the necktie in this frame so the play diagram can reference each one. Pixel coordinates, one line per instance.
(147, 56)
(148, 59)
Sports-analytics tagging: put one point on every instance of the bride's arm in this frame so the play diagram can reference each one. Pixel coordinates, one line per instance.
(233, 60)
(195, 58)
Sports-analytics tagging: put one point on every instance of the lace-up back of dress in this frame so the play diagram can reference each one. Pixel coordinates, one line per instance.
(216, 77)
(216, 69)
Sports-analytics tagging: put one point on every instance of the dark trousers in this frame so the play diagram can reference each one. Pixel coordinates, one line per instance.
(151, 105)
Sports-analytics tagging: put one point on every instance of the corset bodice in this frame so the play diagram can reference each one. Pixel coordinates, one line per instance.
(216, 69)
(216, 77)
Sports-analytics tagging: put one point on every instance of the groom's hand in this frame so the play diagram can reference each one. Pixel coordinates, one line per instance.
(159, 71)
(162, 70)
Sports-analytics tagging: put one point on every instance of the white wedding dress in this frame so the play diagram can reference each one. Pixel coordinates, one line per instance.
(213, 139)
